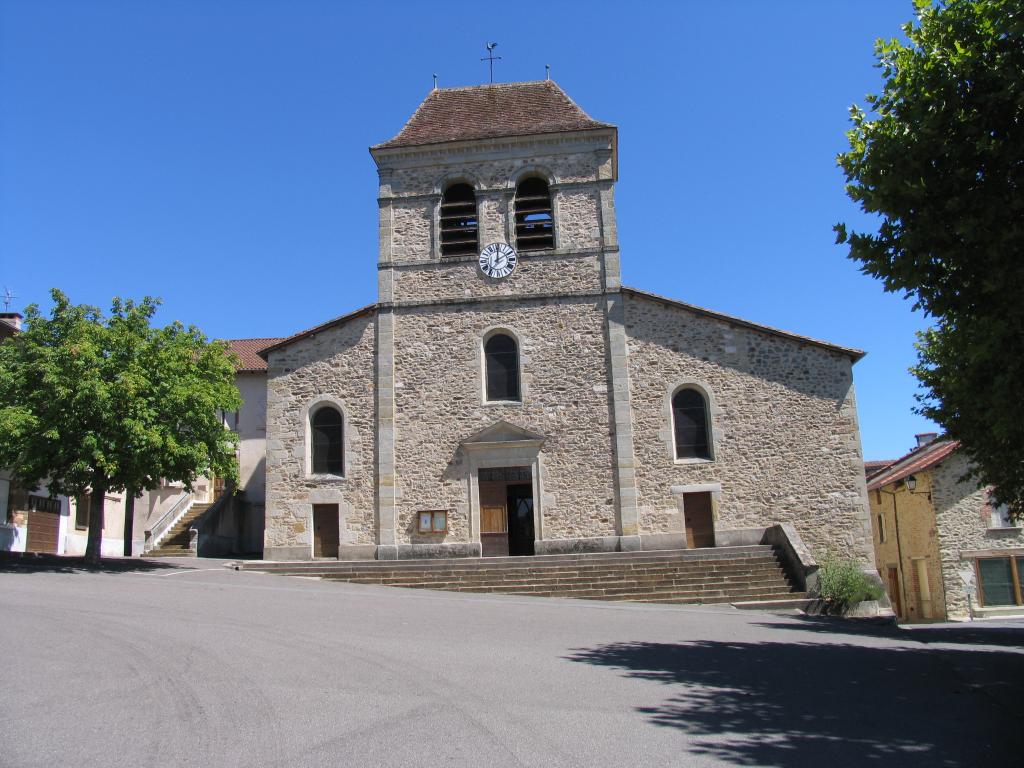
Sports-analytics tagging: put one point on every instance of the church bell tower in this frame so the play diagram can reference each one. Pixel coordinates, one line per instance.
(516, 167)
(498, 243)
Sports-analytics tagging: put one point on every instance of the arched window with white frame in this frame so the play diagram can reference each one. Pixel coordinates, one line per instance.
(501, 368)
(327, 441)
(691, 425)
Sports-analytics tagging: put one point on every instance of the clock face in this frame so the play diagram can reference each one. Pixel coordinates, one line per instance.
(498, 260)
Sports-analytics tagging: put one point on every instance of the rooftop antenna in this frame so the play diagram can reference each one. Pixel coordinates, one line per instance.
(435, 81)
(547, 71)
(491, 58)
(8, 297)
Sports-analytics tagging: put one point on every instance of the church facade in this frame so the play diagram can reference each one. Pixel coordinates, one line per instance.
(507, 395)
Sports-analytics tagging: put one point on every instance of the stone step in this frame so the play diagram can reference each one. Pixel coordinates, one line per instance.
(752, 598)
(716, 553)
(776, 580)
(776, 577)
(480, 565)
(178, 534)
(625, 592)
(711, 567)
(792, 601)
(170, 552)
(328, 571)
(746, 575)
(609, 580)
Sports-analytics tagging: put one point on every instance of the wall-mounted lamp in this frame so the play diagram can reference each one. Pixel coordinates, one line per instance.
(911, 483)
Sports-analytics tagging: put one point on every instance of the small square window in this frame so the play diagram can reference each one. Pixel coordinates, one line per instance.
(433, 521)
(999, 516)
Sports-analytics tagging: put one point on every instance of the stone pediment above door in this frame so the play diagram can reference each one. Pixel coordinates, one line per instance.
(502, 434)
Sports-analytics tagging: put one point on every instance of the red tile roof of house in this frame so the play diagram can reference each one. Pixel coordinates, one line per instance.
(247, 351)
(874, 466)
(918, 460)
(492, 111)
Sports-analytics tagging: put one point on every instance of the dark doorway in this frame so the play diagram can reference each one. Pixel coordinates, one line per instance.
(325, 530)
(700, 526)
(894, 590)
(520, 519)
(506, 511)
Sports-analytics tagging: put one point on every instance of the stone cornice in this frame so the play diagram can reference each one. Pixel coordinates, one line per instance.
(548, 255)
(571, 142)
(506, 192)
(518, 297)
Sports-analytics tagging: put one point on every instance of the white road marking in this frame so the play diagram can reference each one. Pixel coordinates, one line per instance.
(183, 572)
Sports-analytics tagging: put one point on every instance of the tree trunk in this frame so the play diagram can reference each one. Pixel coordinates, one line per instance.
(93, 547)
(129, 520)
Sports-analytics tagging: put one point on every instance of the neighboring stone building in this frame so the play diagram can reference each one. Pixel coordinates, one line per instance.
(520, 400)
(209, 521)
(240, 525)
(939, 540)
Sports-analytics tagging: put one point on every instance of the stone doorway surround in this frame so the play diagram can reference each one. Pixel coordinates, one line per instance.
(678, 540)
(503, 445)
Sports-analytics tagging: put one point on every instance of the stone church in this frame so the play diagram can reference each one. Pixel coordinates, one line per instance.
(507, 395)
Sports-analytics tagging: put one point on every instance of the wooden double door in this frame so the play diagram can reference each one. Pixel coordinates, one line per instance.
(506, 517)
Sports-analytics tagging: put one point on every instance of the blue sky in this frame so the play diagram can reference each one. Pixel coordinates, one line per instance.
(214, 154)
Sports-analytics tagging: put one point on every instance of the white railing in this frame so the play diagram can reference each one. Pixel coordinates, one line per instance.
(160, 528)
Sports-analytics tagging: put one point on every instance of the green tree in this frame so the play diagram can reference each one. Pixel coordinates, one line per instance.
(939, 161)
(92, 404)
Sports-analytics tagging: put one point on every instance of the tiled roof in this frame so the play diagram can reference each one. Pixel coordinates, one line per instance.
(247, 351)
(492, 111)
(853, 354)
(918, 460)
(873, 467)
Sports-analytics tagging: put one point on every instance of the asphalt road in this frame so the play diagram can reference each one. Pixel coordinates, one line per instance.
(205, 666)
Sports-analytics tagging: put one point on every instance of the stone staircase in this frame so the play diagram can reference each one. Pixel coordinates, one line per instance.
(176, 542)
(748, 576)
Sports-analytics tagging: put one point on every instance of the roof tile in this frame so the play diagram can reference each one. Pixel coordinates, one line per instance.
(918, 460)
(492, 111)
(247, 351)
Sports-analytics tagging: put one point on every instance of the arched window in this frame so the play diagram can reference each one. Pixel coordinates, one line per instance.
(501, 356)
(535, 225)
(328, 443)
(690, 423)
(458, 221)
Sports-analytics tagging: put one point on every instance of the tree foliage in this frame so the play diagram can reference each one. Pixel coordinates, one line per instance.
(91, 404)
(939, 159)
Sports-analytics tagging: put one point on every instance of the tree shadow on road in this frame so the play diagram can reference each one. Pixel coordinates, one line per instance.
(19, 562)
(795, 704)
(980, 633)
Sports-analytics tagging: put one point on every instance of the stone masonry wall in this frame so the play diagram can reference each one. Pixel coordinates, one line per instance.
(535, 274)
(338, 364)
(786, 440)
(411, 198)
(490, 169)
(962, 515)
(412, 230)
(439, 401)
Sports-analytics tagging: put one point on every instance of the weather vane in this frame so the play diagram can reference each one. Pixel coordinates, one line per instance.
(8, 297)
(491, 58)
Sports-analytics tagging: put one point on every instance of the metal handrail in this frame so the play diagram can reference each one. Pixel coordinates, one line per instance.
(169, 518)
